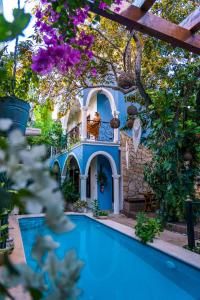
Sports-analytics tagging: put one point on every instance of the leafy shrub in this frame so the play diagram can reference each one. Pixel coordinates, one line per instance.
(69, 191)
(102, 178)
(102, 213)
(95, 208)
(147, 228)
(79, 205)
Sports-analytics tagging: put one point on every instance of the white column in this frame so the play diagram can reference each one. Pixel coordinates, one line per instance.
(116, 179)
(84, 123)
(83, 179)
(62, 179)
(116, 131)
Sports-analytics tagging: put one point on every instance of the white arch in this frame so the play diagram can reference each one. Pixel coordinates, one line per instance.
(57, 162)
(65, 119)
(105, 92)
(108, 156)
(74, 155)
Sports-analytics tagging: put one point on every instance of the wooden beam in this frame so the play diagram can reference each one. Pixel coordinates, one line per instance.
(148, 23)
(192, 22)
(144, 4)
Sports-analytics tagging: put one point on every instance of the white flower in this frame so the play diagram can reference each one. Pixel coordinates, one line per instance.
(16, 138)
(5, 124)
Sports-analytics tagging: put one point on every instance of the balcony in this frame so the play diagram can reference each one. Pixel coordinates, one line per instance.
(104, 133)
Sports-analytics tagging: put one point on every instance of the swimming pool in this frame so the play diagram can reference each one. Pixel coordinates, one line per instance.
(117, 267)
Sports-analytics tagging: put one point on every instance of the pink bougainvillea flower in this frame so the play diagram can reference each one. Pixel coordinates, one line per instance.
(93, 72)
(118, 2)
(42, 62)
(103, 5)
(65, 46)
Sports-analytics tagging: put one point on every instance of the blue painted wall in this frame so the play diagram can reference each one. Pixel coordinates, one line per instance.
(104, 108)
(84, 151)
(105, 198)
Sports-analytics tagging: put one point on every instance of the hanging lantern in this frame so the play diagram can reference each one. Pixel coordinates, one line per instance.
(115, 123)
(187, 156)
(102, 188)
(125, 80)
(129, 123)
(132, 110)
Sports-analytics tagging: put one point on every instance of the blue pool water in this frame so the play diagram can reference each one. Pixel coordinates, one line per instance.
(117, 267)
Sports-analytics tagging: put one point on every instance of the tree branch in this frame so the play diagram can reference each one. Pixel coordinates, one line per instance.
(108, 62)
(138, 62)
(126, 49)
(107, 39)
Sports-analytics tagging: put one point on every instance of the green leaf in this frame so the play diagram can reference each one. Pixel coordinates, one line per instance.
(8, 31)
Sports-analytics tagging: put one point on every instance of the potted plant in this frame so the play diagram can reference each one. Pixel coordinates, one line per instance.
(102, 214)
(70, 193)
(95, 208)
(80, 206)
(102, 180)
(16, 79)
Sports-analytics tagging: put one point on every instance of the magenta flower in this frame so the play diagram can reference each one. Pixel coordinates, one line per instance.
(93, 72)
(38, 14)
(65, 46)
(103, 5)
(42, 62)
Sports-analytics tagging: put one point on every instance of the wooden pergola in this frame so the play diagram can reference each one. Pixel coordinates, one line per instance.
(138, 17)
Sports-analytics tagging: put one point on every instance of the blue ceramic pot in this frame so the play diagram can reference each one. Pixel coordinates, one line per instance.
(15, 109)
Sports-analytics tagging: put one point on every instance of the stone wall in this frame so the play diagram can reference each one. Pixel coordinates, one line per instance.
(133, 177)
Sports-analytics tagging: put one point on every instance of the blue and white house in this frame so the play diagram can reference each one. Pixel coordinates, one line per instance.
(85, 157)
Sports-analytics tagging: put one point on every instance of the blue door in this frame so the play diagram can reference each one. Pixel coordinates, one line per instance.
(105, 195)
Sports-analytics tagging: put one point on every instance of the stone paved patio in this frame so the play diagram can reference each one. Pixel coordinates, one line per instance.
(168, 236)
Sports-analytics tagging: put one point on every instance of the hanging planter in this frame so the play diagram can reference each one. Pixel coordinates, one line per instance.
(187, 156)
(132, 110)
(15, 109)
(102, 180)
(125, 80)
(129, 123)
(115, 123)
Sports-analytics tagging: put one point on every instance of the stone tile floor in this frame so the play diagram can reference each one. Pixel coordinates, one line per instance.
(167, 236)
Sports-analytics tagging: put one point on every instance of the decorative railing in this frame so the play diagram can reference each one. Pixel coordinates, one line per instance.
(99, 131)
(73, 136)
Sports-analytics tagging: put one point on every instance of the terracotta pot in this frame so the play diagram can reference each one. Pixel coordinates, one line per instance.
(102, 217)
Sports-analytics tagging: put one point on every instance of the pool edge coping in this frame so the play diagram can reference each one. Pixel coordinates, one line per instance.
(177, 252)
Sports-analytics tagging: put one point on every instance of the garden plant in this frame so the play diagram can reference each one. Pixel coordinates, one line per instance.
(147, 228)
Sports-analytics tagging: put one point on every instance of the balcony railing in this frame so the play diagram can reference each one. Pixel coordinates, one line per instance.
(102, 131)
(73, 136)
